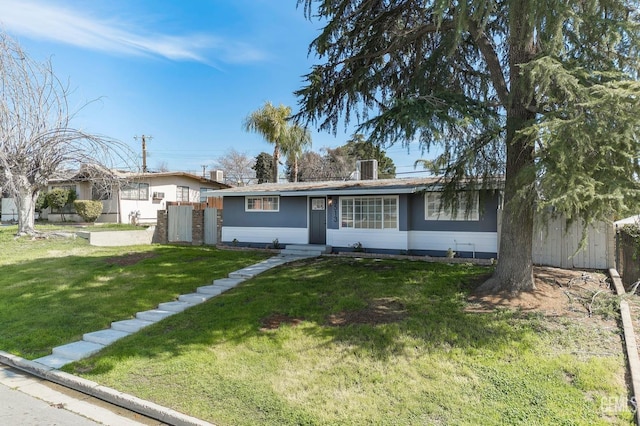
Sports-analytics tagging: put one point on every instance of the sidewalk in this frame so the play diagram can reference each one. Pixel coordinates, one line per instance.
(30, 401)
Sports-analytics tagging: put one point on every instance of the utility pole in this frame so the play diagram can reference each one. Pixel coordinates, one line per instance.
(144, 151)
(204, 169)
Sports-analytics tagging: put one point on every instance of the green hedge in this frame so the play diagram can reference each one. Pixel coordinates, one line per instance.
(88, 210)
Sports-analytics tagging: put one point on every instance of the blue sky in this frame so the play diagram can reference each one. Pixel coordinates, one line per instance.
(186, 73)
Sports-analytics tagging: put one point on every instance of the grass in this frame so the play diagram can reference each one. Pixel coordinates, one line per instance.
(54, 290)
(407, 353)
(327, 341)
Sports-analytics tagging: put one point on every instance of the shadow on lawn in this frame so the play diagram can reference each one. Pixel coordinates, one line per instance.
(51, 301)
(427, 300)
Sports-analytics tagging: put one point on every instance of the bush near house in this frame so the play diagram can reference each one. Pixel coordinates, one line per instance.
(89, 210)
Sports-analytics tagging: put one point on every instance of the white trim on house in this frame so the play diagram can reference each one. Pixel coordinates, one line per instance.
(477, 242)
(434, 210)
(369, 238)
(265, 235)
(383, 220)
(264, 200)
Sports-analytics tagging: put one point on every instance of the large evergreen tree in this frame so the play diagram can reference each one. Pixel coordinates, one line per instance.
(543, 92)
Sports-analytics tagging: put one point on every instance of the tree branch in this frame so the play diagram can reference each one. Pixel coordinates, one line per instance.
(492, 60)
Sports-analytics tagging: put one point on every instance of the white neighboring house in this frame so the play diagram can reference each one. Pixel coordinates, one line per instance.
(140, 197)
(9, 210)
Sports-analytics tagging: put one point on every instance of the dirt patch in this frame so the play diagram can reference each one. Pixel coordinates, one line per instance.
(274, 321)
(130, 258)
(558, 292)
(379, 311)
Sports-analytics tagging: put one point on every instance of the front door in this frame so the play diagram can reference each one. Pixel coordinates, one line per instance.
(318, 221)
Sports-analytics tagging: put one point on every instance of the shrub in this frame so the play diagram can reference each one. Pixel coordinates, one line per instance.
(58, 198)
(89, 210)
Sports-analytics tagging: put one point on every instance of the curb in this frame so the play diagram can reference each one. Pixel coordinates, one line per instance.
(629, 339)
(112, 396)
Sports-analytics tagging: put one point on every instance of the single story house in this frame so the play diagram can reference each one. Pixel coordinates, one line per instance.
(139, 196)
(387, 215)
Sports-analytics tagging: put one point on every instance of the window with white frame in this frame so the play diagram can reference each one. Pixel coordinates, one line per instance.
(182, 193)
(135, 191)
(369, 212)
(262, 204)
(203, 196)
(467, 207)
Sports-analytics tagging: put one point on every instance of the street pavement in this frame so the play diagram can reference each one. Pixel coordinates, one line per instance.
(26, 400)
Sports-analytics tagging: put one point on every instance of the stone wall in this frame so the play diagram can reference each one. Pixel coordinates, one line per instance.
(197, 229)
(161, 234)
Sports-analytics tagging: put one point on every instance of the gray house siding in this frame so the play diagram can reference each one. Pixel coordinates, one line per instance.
(414, 233)
(292, 214)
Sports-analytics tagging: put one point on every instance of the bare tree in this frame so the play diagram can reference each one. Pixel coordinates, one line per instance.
(37, 142)
(162, 166)
(237, 167)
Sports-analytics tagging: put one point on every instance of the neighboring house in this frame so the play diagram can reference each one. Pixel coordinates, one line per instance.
(389, 215)
(139, 197)
(8, 210)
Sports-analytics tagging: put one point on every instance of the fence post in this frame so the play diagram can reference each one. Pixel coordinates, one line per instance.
(197, 229)
(161, 234)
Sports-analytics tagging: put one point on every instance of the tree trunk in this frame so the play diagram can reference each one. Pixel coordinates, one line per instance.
(26, 204)
(514, 272)
(276, 160)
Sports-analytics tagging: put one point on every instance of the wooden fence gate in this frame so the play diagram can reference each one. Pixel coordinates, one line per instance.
(210, 226)
(180, 224)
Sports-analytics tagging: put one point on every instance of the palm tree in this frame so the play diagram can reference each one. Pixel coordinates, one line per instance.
(270, 122)
(297, 141)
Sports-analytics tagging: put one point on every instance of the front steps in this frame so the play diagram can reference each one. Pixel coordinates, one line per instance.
(93, 342)
(306, 250)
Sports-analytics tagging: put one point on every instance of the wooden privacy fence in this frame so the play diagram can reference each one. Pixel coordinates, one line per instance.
(212, 202)
(556, 243)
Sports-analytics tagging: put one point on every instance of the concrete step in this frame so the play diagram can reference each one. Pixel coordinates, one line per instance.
(77, 350)
(175, 306)
(194, 298)
(211, 290)
(324, 249)
(154, 315)
(104, 337)
(301, 253)
(53, 361)
(249, 272)
(131, 325)
(228, 282)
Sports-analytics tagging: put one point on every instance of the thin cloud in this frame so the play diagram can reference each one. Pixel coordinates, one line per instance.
(39, 20)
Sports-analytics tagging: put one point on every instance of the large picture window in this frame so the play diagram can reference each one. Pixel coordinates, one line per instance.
(135, 191)
(467, 207)
(262, 204)
(369, 212)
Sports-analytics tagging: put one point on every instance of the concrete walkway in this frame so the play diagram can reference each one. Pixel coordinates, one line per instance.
(93, 342)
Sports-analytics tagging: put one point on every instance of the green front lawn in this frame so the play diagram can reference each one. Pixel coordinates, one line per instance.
(351, 342)
(324, 341)
(54, 290)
